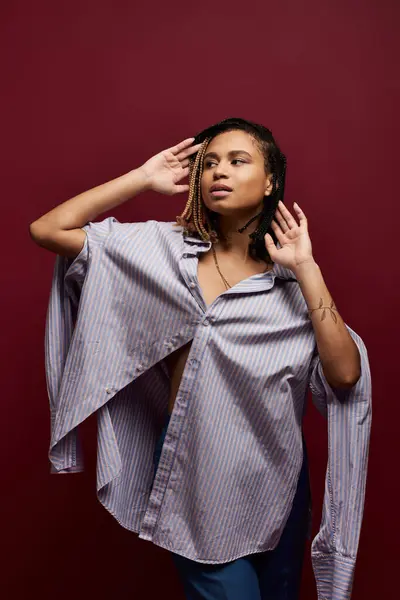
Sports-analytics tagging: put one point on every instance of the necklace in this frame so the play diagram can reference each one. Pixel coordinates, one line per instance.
(215, 254)
(219, 270)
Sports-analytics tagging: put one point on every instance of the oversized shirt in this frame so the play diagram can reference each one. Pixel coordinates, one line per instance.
(233, 451)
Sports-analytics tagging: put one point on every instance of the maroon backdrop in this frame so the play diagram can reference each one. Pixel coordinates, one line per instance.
(91, 90)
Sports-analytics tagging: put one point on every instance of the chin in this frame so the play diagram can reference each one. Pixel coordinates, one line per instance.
(222, 205)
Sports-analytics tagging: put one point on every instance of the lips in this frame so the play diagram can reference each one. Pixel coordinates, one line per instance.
(219, 187)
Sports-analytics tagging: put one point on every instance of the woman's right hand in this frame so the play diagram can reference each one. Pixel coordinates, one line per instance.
(163, 171)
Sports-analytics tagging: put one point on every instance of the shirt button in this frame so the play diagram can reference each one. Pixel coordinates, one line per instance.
(192, 284)
(205, 323)
(140, 367)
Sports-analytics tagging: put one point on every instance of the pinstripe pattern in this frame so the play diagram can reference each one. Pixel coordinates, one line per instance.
(233, 450)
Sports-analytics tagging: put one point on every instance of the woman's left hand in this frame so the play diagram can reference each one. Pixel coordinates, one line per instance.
(295, 242)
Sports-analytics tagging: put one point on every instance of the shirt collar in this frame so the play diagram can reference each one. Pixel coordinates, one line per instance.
(192, 243)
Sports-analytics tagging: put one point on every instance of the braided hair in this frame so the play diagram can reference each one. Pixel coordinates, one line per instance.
(198, 220)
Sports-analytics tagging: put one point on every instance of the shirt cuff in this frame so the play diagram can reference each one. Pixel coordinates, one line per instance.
(333, 575)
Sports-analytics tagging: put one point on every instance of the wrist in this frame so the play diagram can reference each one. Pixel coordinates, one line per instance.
(306, 268)
(139, 180)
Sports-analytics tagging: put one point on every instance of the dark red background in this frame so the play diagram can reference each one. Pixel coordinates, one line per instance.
(91, 90)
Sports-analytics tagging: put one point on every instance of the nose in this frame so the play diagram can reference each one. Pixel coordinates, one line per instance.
(219, 172)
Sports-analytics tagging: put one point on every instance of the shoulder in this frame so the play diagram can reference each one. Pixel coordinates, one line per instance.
(158, 230)
(150, 237)
(111, 226)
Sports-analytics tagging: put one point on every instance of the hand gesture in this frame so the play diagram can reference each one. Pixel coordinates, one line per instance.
(293, 237)
(164, 170)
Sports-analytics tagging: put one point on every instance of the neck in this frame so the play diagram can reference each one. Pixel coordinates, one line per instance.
(235, 243)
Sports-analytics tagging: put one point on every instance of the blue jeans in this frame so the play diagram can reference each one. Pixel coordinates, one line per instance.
(271, 575)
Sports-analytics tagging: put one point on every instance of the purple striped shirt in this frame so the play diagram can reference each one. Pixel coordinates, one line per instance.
(232, 454)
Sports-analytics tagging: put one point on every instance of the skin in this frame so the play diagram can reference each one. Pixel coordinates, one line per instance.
(60, 230)
(339, 354)
(250, 184)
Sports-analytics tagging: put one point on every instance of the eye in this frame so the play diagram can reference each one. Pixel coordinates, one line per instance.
(209, 162)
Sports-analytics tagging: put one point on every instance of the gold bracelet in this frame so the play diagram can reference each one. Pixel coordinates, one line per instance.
(332, 308)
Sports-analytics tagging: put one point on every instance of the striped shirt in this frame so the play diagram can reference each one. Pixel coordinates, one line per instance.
(232, 454)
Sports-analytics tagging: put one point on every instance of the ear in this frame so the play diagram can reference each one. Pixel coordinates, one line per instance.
(268, 186)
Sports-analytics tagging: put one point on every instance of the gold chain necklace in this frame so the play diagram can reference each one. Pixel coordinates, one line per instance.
(215, 254)
(219, 270)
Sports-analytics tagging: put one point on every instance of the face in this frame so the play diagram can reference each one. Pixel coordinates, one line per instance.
(233, 159)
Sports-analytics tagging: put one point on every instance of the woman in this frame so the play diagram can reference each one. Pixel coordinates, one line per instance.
(237, 224)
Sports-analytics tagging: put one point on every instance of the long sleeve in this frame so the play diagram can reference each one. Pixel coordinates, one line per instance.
(61, 314)
(65, 295)
(348, 412)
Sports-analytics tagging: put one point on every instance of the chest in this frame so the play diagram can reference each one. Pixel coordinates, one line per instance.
(234, 271)
(211, 286)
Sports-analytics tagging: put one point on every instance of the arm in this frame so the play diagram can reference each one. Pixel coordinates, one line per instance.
(338, 352)
(339, 363)
(349, 415)
(60, 231)
(340, 358)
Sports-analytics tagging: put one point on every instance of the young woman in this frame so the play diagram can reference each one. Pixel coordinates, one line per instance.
(240, 511)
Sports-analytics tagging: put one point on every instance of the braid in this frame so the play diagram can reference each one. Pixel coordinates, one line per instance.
(198, 219)
(193, 217)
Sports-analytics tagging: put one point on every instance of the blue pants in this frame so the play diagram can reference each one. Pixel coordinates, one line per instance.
(271, 575)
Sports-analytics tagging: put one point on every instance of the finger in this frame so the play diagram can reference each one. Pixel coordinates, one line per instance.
(287, 215)
(188, 152)
(185, 173)
(300, 214)
(278, 232)
(181, 188)
(181, 146)
(282, 222)
(270, 245)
